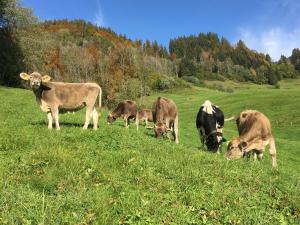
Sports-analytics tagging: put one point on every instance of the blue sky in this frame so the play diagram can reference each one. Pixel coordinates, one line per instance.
(269, 26)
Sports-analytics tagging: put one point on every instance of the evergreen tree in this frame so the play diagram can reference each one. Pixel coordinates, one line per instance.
(295, 58)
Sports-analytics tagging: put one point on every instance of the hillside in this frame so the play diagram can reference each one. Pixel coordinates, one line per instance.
(121, 176)
(78, 51)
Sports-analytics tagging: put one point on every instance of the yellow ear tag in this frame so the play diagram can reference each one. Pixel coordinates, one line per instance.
(46, 78)
(24, 76)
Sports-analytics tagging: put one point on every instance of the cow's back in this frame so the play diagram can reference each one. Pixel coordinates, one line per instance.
(130, 107)
(126, 107)
(253, 124)
(70, 95)
(164, 108)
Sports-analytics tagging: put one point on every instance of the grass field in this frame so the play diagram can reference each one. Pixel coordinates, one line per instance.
(121, 176)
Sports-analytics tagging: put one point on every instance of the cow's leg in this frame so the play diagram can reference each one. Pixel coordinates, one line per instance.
(219, 149)
(167, 128)
(88, 115)
(254, 155)
(201, 135)
(95, 119)
(146, 122)
(176, 130)
(126, 121)
(137, 122)
(54, 114)
(273, 151)
(260, 156)
(50, 122)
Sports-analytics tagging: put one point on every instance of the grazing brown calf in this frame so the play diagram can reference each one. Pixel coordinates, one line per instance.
(55, 97)
(145, 115)
(126, 110)
(165, 118)
(254, 134)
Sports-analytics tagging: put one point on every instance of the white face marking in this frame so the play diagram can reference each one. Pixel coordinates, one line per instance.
(219, 128)
(219, 138)
(207, 107)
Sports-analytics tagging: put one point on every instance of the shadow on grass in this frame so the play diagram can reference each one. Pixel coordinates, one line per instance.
(66, 124)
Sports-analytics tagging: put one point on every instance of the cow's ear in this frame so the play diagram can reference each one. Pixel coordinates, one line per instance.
(24, 76)
(243, 144)
(46, 78)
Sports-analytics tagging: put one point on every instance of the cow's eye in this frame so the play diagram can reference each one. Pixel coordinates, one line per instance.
(30, 77)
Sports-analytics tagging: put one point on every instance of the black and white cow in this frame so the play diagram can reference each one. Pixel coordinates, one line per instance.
(210, 122)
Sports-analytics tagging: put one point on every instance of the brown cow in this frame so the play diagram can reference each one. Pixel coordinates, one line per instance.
(55, 97)
(165, 118)
(254, 134)
(145, 115)
(126, 110)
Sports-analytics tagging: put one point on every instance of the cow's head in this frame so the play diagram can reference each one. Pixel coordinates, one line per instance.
(213, 134)
(214, 141)
(236, 149)
(159, 129)
(35, 79)
(110, 118)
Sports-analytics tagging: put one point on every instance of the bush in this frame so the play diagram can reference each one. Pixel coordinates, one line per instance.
(220, 87)
(191, 79)
(162, 84)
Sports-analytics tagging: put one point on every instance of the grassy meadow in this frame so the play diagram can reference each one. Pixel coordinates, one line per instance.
(123, 176)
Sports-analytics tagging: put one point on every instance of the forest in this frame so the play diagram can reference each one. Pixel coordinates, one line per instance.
(78, 51)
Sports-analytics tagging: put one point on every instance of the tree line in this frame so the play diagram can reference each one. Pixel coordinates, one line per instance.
(206, 56)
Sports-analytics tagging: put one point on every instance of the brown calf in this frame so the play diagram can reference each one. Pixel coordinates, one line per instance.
(254, 134)
(126, 110)
(145, 115)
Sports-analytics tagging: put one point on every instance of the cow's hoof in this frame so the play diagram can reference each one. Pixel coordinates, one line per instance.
(50, 128)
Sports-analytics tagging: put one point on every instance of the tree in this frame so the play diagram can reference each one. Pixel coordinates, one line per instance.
(295, 58)
(187, 68)
(12, 17)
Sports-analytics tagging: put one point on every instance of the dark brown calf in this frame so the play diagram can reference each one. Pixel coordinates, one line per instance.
(126, 110)
(145, 115)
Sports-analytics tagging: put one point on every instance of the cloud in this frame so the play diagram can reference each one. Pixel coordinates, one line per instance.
(277, 29)
(275, 41)
(99, 18)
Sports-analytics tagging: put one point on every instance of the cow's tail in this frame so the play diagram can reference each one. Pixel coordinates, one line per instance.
(100, 98)
(229, 119)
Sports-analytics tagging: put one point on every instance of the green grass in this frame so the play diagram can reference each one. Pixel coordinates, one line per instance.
(121, 176)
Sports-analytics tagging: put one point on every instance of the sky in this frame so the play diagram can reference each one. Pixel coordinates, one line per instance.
(268, 26)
